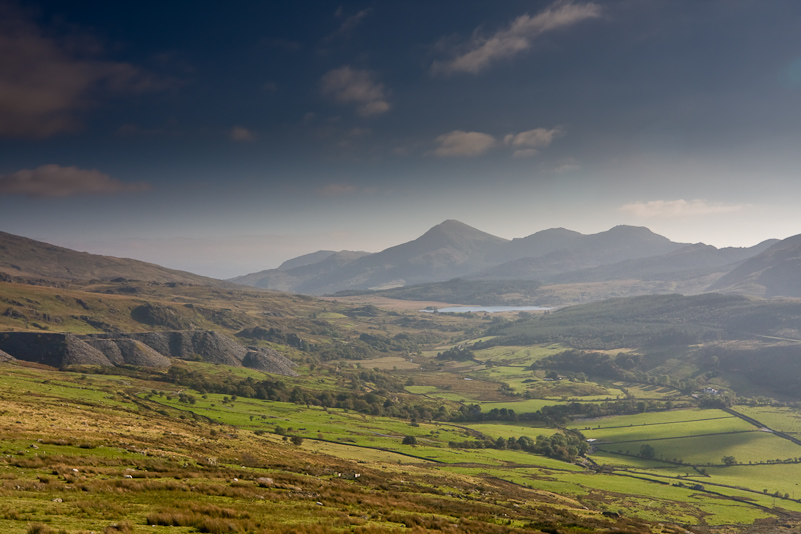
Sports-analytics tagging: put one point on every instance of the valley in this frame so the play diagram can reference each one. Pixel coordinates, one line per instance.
(133, 405)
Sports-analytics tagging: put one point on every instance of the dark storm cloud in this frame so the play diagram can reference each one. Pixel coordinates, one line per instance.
(45, 82)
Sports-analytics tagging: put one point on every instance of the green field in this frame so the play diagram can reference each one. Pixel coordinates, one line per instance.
(349, 436)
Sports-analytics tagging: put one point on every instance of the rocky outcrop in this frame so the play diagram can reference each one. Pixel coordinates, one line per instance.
(6, 357)
(269, 361)
(207, 346)
(55, 350)
(129, 352)
(145, 349)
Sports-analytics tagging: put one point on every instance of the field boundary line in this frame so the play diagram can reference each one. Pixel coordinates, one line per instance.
(756, 423)
(675, 437)
(665, 423)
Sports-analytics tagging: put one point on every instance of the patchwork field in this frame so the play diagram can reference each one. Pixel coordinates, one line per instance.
(110, 427)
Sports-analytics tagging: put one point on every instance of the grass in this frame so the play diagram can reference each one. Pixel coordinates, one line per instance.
(752, 446)
(169, 455)
(659, 431)
(778, 418)
(650, 418)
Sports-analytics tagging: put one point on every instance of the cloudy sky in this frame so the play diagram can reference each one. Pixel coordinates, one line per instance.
(226, 138)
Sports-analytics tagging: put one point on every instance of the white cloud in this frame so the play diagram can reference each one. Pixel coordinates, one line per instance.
(528, 143)
(678, 208)
(57, 181)
(46, 83)
(536, 138)
(480, 52)
(242, 134)
(459, 143)
(351, 86)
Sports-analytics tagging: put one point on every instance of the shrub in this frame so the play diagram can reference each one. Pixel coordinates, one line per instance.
(119, 528)
(409, 440)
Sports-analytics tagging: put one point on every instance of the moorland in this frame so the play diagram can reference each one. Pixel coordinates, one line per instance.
(655, 413)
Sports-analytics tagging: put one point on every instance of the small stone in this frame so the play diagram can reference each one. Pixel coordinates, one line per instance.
(264, 482)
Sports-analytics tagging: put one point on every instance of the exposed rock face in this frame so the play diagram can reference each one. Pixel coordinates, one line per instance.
(146, 349)
(208, 346)
(56, 350)
(6, 357)
(269, 361)
(109, 348)
(129, 352)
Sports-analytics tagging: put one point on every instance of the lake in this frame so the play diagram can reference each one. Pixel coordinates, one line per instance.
(487, 309)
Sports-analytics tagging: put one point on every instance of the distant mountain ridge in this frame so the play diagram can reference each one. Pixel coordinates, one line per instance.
(774, 272)
(445, 251)
(453, 250)
(567, 267)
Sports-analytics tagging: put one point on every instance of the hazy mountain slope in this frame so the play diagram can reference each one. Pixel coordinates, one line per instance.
(27, 258)
(545, 257)
(690, 261)
(616, 244)
(538, 244)
(771, 273)
(290, 279)
(446, 251)
(306, 259)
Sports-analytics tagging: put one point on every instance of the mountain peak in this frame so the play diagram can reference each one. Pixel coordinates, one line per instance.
(453, 231)
(452, 225)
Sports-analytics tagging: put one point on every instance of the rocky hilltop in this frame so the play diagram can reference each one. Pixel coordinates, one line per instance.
(145, 349)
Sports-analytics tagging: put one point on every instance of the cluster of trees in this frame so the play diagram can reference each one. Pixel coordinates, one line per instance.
(592, 363)
(560, 414)
(566, 446)
(613, 324)
(381, 401)
(456, 354)
(472, 413)
(275, 335)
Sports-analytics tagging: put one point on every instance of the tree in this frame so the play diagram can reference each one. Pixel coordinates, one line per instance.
(297, 440)
(729, 460)
(646, 451)
(409, 440)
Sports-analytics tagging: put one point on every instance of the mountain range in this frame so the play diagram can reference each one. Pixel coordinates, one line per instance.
(565, 265)
(555, 256)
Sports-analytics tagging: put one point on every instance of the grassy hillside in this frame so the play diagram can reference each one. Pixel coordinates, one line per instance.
(23, 258)
(750, 344)
(491, 441)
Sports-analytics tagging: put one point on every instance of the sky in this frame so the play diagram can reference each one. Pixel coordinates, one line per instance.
(224, 139)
